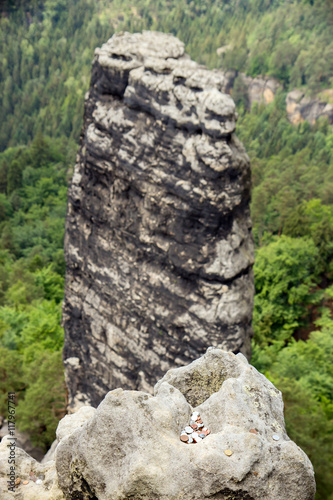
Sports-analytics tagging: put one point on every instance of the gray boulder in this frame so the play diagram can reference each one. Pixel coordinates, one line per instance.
(131, 448)
(33, 481)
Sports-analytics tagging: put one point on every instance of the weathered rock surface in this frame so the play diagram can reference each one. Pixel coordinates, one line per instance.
(158, 239)
(66, 426)
(27, 469)
(262, 89)
(130, 447)
(301, 108)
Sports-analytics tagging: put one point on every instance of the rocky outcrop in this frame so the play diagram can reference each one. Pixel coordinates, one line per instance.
(261, 90)
(158, 239)
(301, 108)
(130, 447)
(33, 481)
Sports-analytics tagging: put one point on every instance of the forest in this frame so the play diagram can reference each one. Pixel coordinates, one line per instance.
(47, 48)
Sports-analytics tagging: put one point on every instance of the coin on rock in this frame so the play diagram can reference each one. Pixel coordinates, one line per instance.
(253, 431)
(276, 437)
(228, 453)
(184, 438)
(188, 430)
(25, 482)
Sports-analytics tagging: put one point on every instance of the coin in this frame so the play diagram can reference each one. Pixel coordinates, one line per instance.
(39, 481)
(17, 481)
(196, 438)
(275, 437)
(25, 482)
(253, 431)
(194, 432)
(228, 453)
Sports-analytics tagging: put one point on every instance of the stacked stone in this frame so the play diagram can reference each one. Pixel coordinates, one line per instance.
(196, 431)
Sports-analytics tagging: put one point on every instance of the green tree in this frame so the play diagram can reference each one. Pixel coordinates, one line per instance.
(44, 400)
(14, 177)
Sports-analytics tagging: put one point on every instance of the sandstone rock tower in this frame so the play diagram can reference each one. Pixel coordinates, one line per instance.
(158, 242)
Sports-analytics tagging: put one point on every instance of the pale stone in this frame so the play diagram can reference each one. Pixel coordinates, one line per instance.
(131, 447)
(73, 421)
(24, 464)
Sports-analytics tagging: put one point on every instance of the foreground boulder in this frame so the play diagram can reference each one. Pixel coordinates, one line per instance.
(34, 481)
(158, 243)
(130, 447)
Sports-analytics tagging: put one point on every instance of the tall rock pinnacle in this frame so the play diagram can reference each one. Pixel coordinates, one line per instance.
(158, 242)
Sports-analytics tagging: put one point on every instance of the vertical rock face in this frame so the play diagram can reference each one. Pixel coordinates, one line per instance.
(158, 239)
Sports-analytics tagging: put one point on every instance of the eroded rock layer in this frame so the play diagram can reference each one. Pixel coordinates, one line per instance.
(158, 240)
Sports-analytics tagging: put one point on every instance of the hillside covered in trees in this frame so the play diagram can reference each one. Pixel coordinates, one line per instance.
(47, 48)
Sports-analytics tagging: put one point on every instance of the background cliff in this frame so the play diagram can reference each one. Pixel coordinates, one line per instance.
(47, 50)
